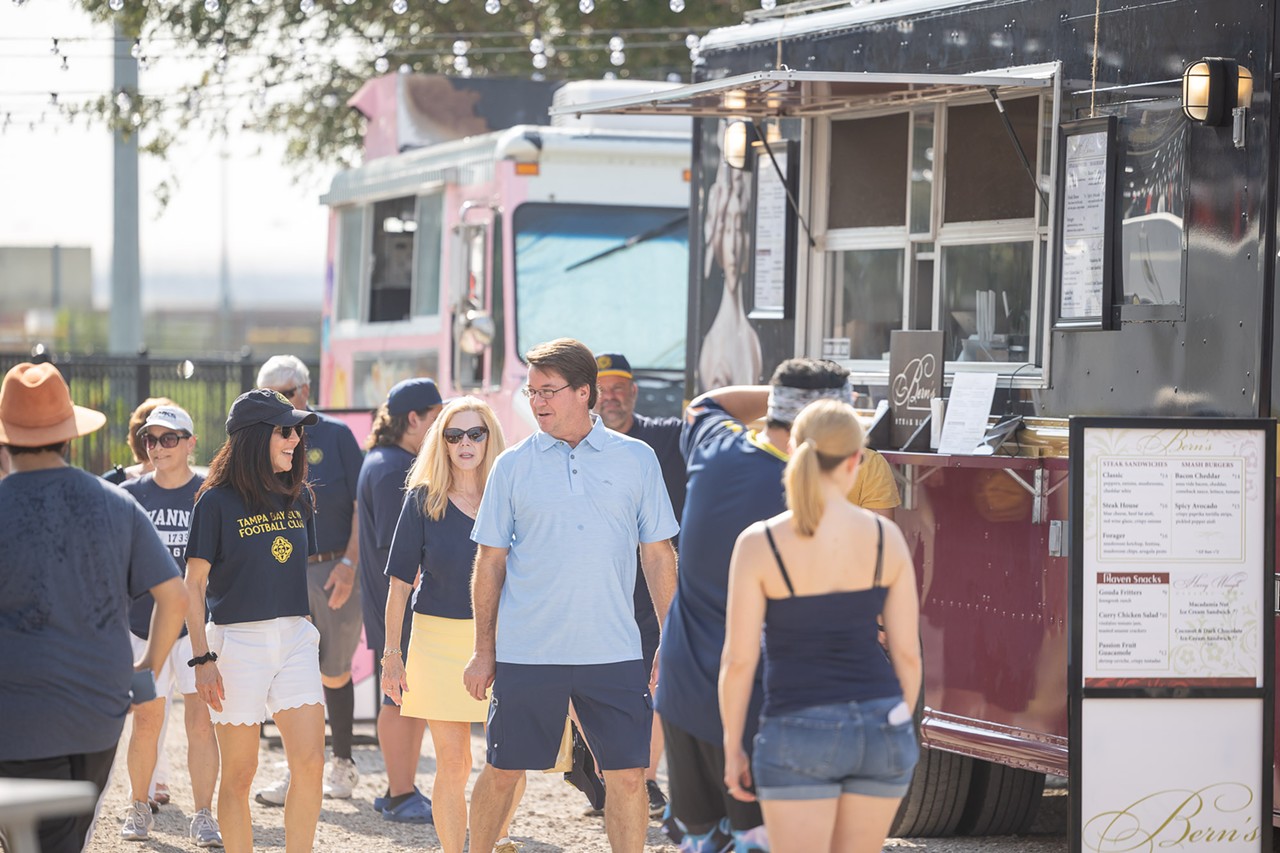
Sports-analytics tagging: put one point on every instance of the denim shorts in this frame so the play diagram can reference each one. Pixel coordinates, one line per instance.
(822, 752)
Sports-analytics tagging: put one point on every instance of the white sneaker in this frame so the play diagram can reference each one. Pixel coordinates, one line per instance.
(342, 780)
(137, 823)
(204, 829)
(274, 795)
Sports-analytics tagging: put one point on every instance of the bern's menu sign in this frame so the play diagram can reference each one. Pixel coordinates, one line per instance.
(1173, 559)
(915, 378)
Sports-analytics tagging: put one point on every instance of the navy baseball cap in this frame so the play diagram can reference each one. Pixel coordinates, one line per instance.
(413, 395)
(613, 364)
(264, 406)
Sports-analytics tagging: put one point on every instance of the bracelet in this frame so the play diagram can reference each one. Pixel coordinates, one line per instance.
(346, 561)
(389, 653)
(207, 657)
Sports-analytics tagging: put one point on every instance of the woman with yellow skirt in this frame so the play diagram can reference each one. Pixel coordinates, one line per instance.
(431, 556)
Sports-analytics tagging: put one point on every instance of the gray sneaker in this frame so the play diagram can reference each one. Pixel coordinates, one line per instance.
(137, 823)
(274, 795)
(342, 780)
(204, 829)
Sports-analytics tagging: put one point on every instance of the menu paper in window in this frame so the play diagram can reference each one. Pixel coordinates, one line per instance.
(1084, 220)
(1173, 561)
(771, 236)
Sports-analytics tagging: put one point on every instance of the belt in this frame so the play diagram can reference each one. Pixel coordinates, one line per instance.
(325, 556)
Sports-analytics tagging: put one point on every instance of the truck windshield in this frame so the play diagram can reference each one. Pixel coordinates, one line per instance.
(615, 278)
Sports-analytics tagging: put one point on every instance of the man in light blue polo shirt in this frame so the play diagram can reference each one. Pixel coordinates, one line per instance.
(562, 515)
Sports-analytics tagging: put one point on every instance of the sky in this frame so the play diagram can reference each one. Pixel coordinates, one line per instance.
(56, 178)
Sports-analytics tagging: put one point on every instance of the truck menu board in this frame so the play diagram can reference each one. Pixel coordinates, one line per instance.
(1173, 567)
(1171, 633)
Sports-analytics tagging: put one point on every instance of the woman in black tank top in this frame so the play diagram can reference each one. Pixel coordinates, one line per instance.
(836, 746)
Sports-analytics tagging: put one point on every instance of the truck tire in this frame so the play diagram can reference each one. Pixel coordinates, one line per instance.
(936, 800)
(1002, 800)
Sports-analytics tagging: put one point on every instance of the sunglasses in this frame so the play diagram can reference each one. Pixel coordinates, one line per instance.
(168, 440)
(286, 431)
(453, 435)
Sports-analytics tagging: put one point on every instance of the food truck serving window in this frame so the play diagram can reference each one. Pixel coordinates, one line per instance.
(933, 223)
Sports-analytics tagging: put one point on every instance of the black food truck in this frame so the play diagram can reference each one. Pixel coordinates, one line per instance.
(868, 168)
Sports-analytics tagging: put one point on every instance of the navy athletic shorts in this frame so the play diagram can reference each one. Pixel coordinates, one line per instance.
(530, 702)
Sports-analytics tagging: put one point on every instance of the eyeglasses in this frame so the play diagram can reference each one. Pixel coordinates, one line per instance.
(168, 440)
(286, 431)
(453, 435)
(544, 393)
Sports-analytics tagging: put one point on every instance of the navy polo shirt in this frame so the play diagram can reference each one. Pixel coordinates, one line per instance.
(170, 511)
(443, 550)
(333, 468)
(380, 492)
(258, 558)
(663, 435)
(735, 480)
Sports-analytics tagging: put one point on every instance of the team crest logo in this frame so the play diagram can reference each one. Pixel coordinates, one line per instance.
(603, 362)
(283, 399)
(314, 455)
(281, 548)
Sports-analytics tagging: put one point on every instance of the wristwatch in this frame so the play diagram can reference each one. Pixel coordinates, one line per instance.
(207, 657)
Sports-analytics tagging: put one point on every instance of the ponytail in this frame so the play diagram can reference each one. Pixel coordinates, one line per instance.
(804, 492)
(825, 434)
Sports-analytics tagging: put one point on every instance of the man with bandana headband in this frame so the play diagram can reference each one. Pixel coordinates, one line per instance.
(734, 480)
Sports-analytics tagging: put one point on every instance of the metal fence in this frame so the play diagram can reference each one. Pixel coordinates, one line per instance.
(115, 385)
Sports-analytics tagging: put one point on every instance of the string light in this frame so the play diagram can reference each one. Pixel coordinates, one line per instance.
(460, 48)
(307, 6)
(586, 7)
(400, 6)
(677, 6)
(212, 6)
(381, 64)
(493, 7)
(536, 45)
(616, 44)
(539, 61)
(114, 5)
(768, 5)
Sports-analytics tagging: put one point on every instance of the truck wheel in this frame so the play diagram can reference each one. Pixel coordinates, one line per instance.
(1002, 800)
(936, 799)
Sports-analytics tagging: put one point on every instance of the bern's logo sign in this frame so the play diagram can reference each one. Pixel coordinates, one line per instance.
(281, 548)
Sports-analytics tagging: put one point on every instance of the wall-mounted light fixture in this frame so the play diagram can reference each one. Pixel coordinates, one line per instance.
(1217, 91)
(742, 141)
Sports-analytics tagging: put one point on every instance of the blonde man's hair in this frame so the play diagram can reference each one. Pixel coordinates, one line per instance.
(825, 434)
(431, 476)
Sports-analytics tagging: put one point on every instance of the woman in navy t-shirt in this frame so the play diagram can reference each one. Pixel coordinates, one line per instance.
(432, 554)
(251, 532)
(836, 746)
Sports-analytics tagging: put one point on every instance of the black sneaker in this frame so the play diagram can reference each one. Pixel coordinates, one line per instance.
(583, 776)
(657, 800)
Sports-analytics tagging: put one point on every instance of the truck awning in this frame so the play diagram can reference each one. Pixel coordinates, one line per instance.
(801, 94)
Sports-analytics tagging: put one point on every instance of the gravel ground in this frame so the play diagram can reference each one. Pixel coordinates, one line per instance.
(548, 820)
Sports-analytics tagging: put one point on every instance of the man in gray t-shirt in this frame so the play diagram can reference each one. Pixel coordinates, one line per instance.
(74, 551)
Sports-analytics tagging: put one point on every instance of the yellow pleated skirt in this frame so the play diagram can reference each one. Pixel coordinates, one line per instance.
(439, 650)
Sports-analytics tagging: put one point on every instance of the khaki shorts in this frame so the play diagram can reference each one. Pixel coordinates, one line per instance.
(339, 629)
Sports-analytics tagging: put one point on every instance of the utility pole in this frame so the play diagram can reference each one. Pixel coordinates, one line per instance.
(125, 327)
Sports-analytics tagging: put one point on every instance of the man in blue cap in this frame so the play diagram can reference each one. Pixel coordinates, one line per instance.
(399, 428)
(617, 408)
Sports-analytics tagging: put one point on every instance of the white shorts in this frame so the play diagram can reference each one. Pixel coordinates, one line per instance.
(175, 670)
(266, 667)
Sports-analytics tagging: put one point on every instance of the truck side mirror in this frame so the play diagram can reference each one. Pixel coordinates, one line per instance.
(476, 332)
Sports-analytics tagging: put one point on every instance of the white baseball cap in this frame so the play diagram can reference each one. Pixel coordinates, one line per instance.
(172, 417)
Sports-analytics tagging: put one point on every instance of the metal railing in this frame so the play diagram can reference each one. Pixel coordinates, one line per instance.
(115, 385)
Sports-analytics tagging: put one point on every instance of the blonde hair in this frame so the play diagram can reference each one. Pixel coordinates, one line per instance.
(431, 475)
(825, 434)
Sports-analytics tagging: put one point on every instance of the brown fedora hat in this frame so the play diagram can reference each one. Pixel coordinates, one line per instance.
(36, 409)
